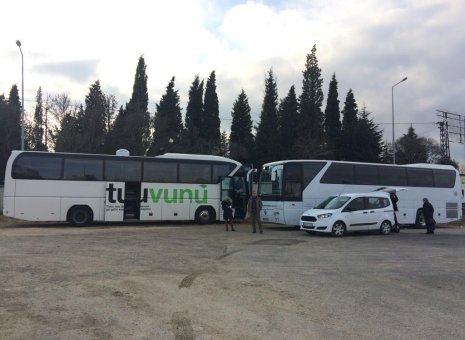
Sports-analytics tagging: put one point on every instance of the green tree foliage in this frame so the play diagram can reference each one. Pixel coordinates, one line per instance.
(266, 141)
(94, 120)
(68, 137)
(332, 118)
(241, 140)
(224, 145)
(368, 139)
(411, 149)
(192, 139)
(37, 136)
(10, 128)
(167, 122)
(310, 143)
(211, 116)
(131, 129)
(347, 142)
(288, 116)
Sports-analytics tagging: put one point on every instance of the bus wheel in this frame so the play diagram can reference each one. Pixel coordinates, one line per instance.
(385, 228)
(79, 216)
(204, 215)
(339, 229)
(420, 220)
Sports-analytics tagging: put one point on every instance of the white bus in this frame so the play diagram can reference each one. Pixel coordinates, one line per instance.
(81, 188)
(290, 187)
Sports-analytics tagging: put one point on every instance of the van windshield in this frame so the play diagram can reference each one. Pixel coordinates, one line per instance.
(323, 204)
(333, 202)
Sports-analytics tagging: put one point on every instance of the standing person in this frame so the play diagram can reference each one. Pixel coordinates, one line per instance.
(227, 213)
(254, 206)
(428, 212)
(394, 200)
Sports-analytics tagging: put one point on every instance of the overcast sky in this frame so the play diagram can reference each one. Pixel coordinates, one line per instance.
(370, 45)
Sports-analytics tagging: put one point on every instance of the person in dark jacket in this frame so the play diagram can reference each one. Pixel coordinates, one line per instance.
(227, 213)
(254, 206)
(428, 212)
(394, 200)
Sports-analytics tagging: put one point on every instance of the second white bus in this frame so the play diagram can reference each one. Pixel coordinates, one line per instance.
(290, 187)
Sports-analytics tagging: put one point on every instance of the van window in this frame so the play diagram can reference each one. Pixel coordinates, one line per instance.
(377, 202)
(356, 204)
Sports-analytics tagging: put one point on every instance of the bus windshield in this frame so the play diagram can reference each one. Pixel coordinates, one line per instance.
(271, 181)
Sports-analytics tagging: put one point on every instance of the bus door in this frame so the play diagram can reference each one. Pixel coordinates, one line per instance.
(235, 188)
(131, 200)
(292, 194)
(114, 201)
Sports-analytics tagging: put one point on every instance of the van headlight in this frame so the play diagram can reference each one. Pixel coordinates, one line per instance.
(325, 215)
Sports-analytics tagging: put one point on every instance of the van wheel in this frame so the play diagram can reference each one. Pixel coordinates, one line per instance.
(80, 216)
(420, 220)
(385, 228)
(205, 215)
(339, 228)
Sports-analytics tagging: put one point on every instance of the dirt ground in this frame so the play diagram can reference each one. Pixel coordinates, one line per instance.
(163, 281)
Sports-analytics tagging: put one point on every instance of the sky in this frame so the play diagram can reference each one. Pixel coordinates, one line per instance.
(370, 45)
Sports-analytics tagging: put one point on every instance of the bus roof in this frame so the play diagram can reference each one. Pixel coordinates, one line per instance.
(417, 165)
(164, 156)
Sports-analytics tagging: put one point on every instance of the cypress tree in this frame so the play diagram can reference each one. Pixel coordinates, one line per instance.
(192, 137)
(347, 141)
(211, 119)
(311, 116)
(167, 122)
(37, 138)
(132, 126)
(241, 139)
(94, 120)
(288, 124)
(266, 144)
(332, 118)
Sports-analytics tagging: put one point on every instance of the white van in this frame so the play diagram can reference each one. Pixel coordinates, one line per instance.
(350, 212)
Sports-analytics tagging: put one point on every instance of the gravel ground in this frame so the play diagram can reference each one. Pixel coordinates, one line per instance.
(145, 281)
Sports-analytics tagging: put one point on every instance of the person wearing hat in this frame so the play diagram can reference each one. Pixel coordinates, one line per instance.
(428, 212)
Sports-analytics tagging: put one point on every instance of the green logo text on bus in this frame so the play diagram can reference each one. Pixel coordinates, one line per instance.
(169, 196)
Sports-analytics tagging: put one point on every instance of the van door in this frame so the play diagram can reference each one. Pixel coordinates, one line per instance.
(356, 215)
(114, 201)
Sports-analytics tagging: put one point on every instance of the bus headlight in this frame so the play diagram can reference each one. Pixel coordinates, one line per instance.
(325, 215)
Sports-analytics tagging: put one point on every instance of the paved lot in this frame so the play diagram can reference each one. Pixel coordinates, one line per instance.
(199, 282)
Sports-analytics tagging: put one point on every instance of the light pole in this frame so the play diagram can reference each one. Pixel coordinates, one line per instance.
(22, 94)
(393, 140)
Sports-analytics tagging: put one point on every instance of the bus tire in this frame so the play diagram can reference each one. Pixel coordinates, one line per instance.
(420, 219)
(339, 228)
(80, 215)
(205, 215)
(385, 228)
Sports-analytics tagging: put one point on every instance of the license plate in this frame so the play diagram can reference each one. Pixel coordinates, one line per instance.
(306, 224)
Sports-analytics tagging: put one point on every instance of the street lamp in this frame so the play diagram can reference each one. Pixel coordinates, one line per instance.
(393, 140)
(22, 94)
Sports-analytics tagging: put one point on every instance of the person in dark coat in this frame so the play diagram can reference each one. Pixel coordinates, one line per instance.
(394, 200)
(428, 212)
(254, 206)
(227, 213)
